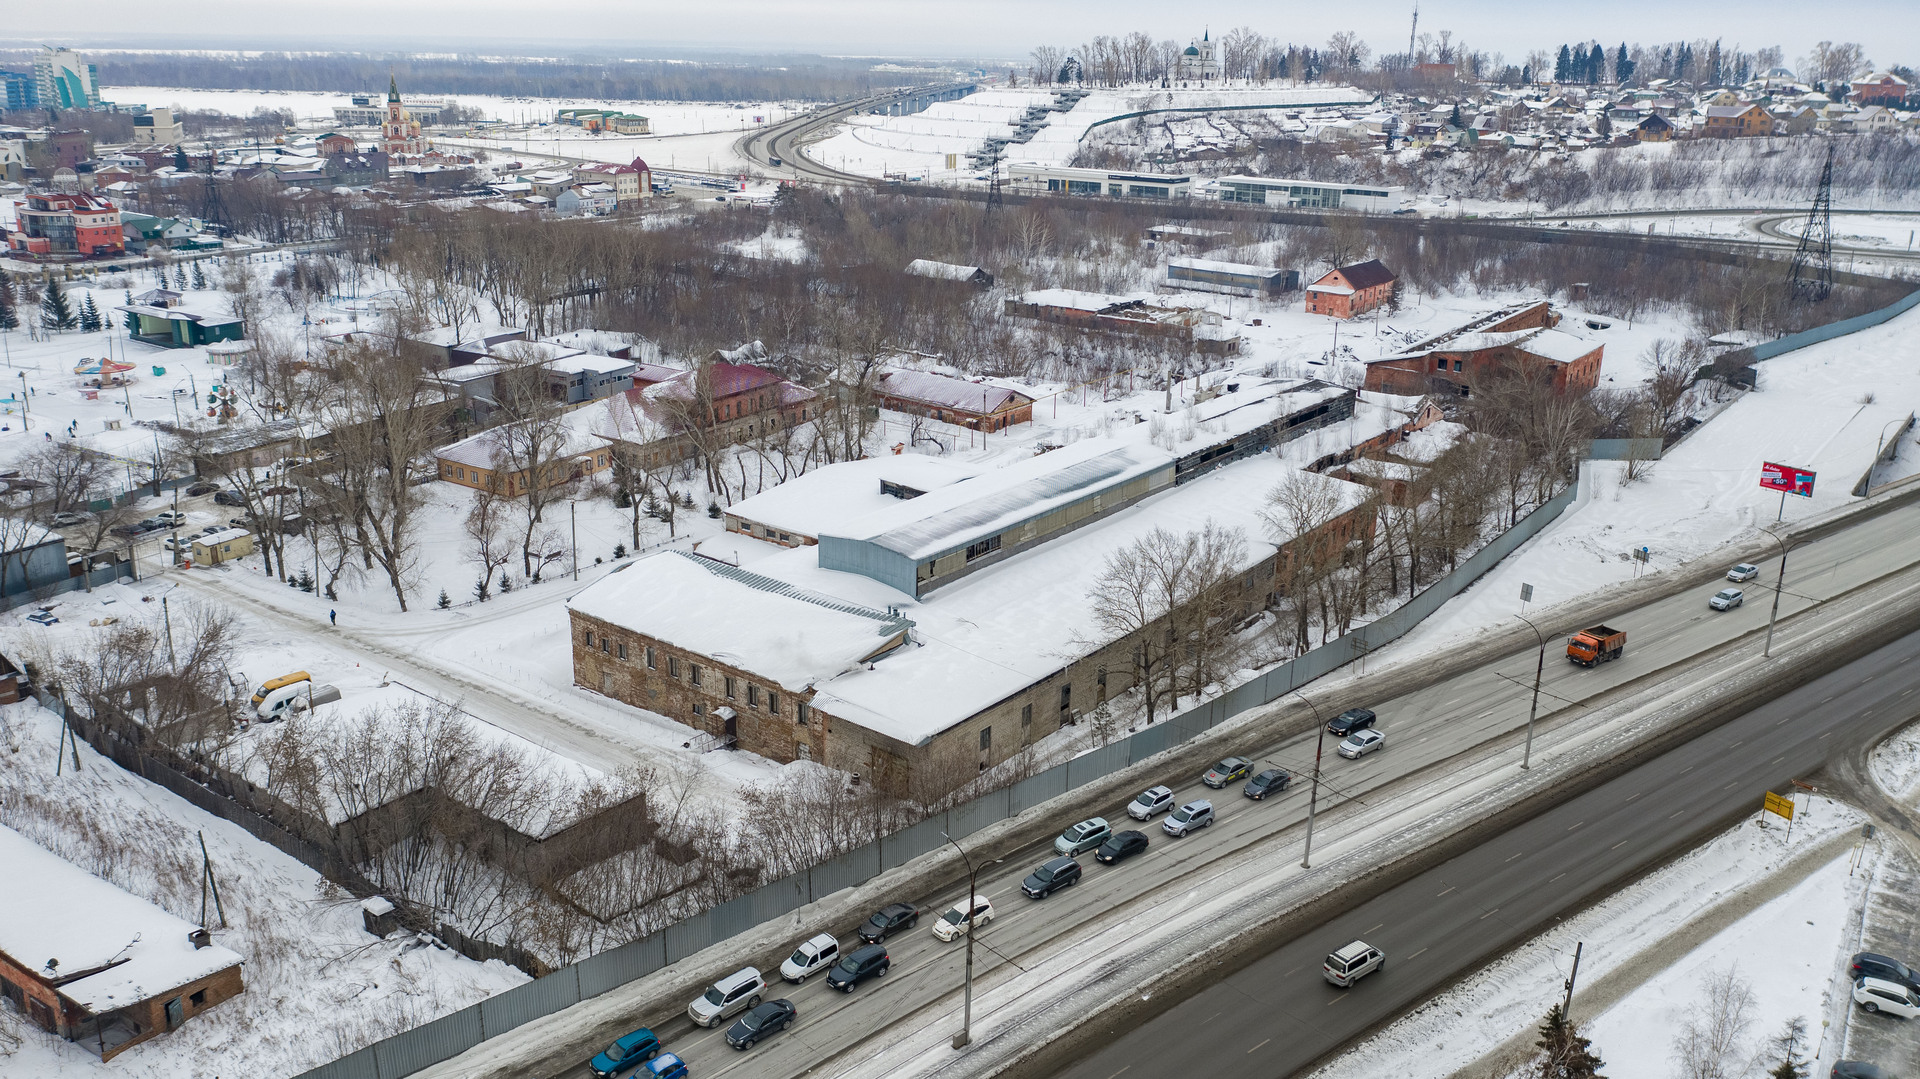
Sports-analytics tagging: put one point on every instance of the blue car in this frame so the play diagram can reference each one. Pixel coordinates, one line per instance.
(626, 1054)
(667, 1066)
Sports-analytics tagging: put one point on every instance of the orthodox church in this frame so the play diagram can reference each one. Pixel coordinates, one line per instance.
(400, 132)
(1200, 61)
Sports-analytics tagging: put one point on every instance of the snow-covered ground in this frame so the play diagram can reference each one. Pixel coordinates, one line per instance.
(1896, 764)
(317, 984)
(1787, 949)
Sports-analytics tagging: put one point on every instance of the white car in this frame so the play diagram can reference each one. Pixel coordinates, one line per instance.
(1150, 803)
(1745, 571)
(961, 918)
(1880, 995)
(1360, 743)
(1727, 599)
(811, 958)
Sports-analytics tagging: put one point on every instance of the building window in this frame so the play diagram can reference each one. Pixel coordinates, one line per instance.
(984, 547)
(801, 712)
(603, 644)
(699, 709)
(588, 637)
(1458, 364)
(673, 666)
(1066, 698)
(1440, 364)
(728, 685)
(773, 702)
(623, 650)
(693, 672)
(753, 695)
(650, 657)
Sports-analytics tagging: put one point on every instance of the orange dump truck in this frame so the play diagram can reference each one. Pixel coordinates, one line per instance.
(1596, 644)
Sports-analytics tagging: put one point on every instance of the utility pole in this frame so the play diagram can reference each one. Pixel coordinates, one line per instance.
(166, 616)
(965, 1037)
(573, 519)
(1778, 581)
(1526, 759)
(1566, 1006)
(1313, 800)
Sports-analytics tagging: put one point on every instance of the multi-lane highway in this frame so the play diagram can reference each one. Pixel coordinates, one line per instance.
(1424, 727)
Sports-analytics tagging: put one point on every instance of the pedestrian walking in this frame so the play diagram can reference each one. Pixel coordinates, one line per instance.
(332, 619)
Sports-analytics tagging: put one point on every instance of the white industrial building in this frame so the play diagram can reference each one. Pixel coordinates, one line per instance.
(1065, 180)
(1311, 194)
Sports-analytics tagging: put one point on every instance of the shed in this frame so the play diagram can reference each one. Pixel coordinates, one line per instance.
(218, 547)
(982, 406)
(948, 271)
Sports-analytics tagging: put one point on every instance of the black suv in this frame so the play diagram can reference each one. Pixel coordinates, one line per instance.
(1353, 719)
(228, 498)
(1053, 875)
(1884, 967)
(859, 965)
(888, 920)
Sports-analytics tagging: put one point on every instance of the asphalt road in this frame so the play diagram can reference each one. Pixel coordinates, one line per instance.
(1278, 1015)
(1423, 728)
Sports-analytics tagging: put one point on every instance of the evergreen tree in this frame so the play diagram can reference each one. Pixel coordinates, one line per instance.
(55, 312)
(1603, 125)
(199, 276)
(9, 320)
(89, 315)
(1596, 64)
(1563, 65)
(445, 600)
(1526, 75)
(1455, 118)
(1568, 1055)
(1788, 1045)
(1622, 67)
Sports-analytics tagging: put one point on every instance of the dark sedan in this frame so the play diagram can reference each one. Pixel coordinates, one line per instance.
(771, 1017)
(1122, 846)
(888, 920)
(1271, 781)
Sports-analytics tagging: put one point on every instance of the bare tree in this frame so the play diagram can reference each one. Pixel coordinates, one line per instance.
(1711, 1040)
(383, 419)
(1301, 511)
(534, 451)
(1137, 591)
(486, 545)
(1213, 597)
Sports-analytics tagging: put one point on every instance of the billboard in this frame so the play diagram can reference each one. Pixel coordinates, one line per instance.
(1787, 479)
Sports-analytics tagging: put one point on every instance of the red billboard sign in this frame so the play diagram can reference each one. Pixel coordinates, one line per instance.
(1786, 478)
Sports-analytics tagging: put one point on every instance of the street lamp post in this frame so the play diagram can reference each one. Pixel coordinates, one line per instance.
(1540, 668)
(1779, 581)
(1313, 799)
(965, 1037)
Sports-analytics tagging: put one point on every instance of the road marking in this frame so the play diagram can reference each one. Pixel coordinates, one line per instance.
(1516, 855)
(1487, 915)
(1449, 889)
(1288, 974)
(1777, 760)
(1624, 842)
(1824, 700)
(1370, 931)
(1687, 769)
(1415, 955)
(1216, 1015)
(1731, 785)
(1250, 1051)
(1829, 734)
(1634, 795)
(1115, 1075)
(1682, 812)
(1336, 1000)
(1784, 722)
(1556, 877)
(1571, 827)
(1738, 744)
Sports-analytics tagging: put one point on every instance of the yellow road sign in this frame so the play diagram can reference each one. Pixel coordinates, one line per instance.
(1779, 806)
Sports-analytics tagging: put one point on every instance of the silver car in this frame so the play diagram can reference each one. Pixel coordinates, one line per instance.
(1727, 599)
(1152, 801)
(1083, 837)
(1745, 571)
(730, 995)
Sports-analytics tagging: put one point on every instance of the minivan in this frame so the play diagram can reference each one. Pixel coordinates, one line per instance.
(1353, 962)
(811, 958)
(730, 995)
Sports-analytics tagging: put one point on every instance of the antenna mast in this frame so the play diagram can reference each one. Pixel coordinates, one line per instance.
(1412, 32)
(1811, 275)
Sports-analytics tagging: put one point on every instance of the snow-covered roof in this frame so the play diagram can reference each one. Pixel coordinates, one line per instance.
(226, 535)
(1428, 443)
(956, 516)
(1388, 470)
(1336, 290)
(585, 362)
(1213, 266)
(58, 911)
(789, 635)
(833, 495)
(939, 390)
(484, 449)
(1073, 299)
(944, 271)
(1558, 345)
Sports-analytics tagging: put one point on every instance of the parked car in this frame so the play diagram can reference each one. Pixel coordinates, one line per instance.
(1727, 599)
(183, 543)
(625, 1054)
(1884, 967)
(1353, 719)
(240, 521)
(1227, 771)
(860, 964)
(228, 498)
(1360, 743)
(963, 918)
(1859, 1069)
(1880, 995)
(1083, 837)
(170, 518)
(1188, 818)
(1745, 571)
(1053, 875)
(1353, 962)
(730, 995)
(770, 1018)
(667, 1066)
(45, 618)
(1149, 802)
(66, 518)
(810, 958)
(1271, 781)
(888, 920)
(1121, 846)
(199, 489)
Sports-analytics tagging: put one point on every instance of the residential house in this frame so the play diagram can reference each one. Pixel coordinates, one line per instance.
(1654, 128)
(1353, 290)
(1875, 120)
(977, 405)
(144, 232)
(1880, 88)
(170, 320)
(95, 965)
(507, 460)
(948, 271)
(1741, 121)
(630, 183)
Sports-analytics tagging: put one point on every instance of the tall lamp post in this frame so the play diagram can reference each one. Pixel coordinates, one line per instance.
(965, 1037)
(1779, 581)
(1540, 668)
(1313, 800)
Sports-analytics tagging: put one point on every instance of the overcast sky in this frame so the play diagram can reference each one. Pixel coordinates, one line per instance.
(1889, 29)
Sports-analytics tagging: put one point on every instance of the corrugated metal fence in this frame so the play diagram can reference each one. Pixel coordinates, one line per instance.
(451, 1035)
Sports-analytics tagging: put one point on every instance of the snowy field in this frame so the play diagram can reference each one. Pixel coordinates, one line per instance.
(1896, 764)
(317, 984)
(1788, 950)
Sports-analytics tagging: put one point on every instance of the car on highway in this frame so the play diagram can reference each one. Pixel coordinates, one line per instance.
(67, 517)
(1227, 771)
(1149, 802)
(1352, 963)
(963, 917)
(1353, 719)
(810, 958)
(1884, 967)
(1053, 875)
(1188, 818)
(625, 1054)
(1121, 846)
(1360, 743)
(860, 964)
(1745, 571)
(1859, 1069)
(888, 920)
(667, 1066)
(199, 489)
(1727, 599)
(1880, 995)
(1271, 781)
(763, 1019)
(229, 498)
(730, 995)
(1083, 837)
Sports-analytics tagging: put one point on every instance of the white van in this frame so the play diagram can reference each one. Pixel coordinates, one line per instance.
(294, 698)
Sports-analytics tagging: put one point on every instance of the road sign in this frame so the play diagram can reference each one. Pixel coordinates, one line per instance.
(1526, 593)
(1779, 806)
(1787, 479)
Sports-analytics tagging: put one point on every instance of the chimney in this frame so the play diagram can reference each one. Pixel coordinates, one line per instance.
(200, 938)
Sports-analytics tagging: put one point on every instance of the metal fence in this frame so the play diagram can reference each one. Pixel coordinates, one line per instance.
(1832, 330)
(97, 577)
(451, 1035)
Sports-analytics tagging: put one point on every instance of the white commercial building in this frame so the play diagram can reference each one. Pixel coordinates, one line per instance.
(1065, 180)
(1311, 194)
